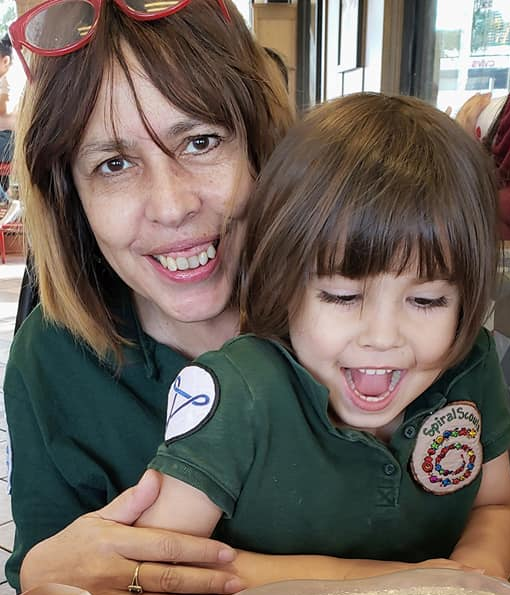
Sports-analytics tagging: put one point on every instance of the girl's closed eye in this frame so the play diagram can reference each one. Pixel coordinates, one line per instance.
(341, 299)
(427, 303)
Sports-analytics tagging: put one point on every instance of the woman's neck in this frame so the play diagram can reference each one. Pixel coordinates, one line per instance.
(189, 338)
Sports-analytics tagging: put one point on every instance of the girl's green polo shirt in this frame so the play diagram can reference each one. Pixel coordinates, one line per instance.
(80, 431)
(290, 482)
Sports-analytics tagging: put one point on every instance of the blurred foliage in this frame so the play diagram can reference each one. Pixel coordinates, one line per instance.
(7, 15)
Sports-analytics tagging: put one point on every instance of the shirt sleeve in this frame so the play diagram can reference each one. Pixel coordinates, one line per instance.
(495, 407)
(216, 454)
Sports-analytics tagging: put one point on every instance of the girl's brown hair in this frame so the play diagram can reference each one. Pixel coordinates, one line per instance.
(369, 184)
(208, 68)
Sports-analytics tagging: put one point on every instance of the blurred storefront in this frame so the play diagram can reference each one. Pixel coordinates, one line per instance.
(455, 48)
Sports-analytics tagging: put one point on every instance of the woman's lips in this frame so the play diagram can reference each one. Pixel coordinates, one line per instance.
(195, 266)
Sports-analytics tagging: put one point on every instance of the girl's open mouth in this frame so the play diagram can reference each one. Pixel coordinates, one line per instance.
(372, 388)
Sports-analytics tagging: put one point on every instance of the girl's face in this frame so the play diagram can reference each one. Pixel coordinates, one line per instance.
(158, 219)
(376, 344)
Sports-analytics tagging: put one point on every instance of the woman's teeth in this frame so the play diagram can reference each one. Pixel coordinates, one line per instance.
(183, 263)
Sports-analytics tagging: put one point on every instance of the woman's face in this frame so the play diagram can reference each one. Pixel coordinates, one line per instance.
(158, 220)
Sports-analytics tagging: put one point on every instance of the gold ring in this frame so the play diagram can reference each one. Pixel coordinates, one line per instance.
(135, 586)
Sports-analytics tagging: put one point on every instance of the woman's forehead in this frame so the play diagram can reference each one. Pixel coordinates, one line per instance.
(116, 114)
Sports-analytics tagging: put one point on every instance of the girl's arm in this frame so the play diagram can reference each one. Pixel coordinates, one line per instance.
(181, 507)
(484, 543)
(258, 569)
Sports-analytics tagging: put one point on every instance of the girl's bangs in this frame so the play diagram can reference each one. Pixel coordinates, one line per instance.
(368, 242)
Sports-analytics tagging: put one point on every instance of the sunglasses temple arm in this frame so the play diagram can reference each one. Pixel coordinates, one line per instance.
(24, 63)
(224, 10)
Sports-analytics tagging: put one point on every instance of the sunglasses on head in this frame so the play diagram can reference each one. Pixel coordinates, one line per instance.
(59, 27)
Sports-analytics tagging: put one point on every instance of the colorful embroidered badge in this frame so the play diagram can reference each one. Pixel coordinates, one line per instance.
(192, 400)
(448, 455)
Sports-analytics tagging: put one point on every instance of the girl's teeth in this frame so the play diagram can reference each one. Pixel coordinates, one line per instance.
(182, 263)
(395, 378)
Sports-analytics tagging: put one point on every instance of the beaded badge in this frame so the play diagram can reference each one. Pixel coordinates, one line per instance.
(448, 454)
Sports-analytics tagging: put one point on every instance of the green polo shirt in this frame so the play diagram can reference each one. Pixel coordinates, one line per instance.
(289, 482)
(80, 432)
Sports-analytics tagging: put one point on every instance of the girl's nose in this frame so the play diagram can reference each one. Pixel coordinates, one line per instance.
(380, 328)
(171, 197)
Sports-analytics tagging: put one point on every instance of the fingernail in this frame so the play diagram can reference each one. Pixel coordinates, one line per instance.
(234, 585)
(227, 554)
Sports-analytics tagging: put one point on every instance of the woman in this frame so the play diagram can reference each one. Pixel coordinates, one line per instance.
(138, 146)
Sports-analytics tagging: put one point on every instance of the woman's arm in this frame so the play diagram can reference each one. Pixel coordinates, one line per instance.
(484, 543)
(99, 551)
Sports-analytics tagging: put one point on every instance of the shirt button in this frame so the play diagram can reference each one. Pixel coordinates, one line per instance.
(410, 432)
(389, 469)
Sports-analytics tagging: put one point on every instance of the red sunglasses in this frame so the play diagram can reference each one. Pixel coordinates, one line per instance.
(58, 27)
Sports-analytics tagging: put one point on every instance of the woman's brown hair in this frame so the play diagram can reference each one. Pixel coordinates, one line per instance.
(369, 184)
(205, 66)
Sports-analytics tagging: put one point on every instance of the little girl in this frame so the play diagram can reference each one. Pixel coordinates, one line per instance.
(362, 415)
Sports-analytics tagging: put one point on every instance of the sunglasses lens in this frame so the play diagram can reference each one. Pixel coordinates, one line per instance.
(60, 25)
(153, 6)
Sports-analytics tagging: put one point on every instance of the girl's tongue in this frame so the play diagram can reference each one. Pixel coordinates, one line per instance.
(371, 384)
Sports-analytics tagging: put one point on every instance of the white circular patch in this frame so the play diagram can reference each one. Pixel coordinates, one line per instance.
(448, 454)
(191, 400)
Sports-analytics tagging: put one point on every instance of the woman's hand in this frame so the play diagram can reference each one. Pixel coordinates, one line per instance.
(100, 550)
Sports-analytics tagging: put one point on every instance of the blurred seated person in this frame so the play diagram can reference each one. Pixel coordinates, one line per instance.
(11, 85)
(489, 120)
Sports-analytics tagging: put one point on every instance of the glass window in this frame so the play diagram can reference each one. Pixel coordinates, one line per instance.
(472, 49)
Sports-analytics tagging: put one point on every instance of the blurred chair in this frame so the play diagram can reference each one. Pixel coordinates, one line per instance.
(10, 224)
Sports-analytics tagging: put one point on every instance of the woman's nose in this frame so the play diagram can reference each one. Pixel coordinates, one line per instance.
(171, 197)
(380, 328)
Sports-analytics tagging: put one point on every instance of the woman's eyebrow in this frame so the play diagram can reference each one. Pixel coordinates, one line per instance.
(122, 145)
(95, 147)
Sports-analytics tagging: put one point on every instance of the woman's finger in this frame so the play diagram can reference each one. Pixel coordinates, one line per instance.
(173, 578)
(162, 545)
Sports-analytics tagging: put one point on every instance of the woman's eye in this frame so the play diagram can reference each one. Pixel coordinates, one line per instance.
(342, 300)
(202, 144)
(427, 303)
(114, 166)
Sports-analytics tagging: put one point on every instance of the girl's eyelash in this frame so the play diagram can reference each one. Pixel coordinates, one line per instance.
(350, 299)
(426, 303)
(331, 298)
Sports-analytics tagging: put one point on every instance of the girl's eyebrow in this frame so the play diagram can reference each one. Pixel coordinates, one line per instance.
(123, 145)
